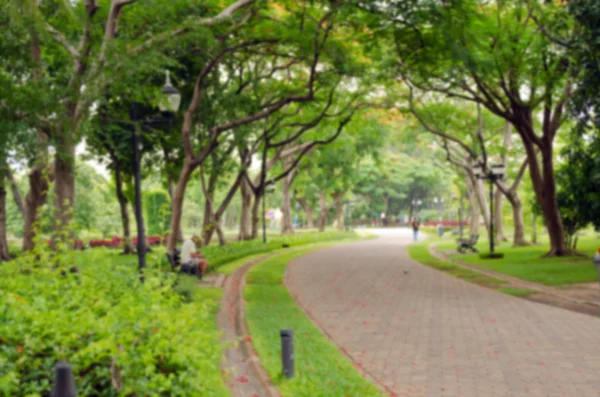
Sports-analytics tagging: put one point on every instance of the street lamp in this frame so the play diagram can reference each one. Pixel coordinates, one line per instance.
(493, 174)
(269, 188)
(168, 105)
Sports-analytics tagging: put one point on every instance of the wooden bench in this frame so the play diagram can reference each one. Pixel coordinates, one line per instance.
(175, 261)
(467, 244)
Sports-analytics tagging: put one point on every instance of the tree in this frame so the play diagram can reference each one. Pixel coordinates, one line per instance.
(494, 54)
(465, 138)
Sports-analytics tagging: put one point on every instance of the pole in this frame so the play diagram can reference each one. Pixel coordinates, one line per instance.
(491, 214)
(141, 245)
(264, 225)
(263, 178)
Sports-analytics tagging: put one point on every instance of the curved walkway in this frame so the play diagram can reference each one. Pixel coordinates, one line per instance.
(420, 332)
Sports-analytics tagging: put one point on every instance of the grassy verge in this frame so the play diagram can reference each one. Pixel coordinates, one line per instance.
(420, 253)
(528, 263)
(321, 369)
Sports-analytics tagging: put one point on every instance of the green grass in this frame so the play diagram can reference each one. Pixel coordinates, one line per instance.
(321, 369)
(528, 263)
(420, 253)
(517, 291)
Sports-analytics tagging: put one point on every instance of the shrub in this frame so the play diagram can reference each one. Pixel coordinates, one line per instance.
(121, 336)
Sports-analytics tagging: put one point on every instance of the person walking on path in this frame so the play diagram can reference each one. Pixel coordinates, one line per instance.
(415, 226)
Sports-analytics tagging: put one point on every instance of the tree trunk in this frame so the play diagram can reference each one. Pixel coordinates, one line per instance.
(4, 254)
(484, 210)
(64, 188)
(208, 219)
(498, 223)
(339, 213)
(220, 234)
(287, 226)
(310, 217)
(177, 204)
(39, 178)
(534, 230)
(171, 190)
(15, 191)
(473, 206)
(245, 216)
(256, 217)
(127, 245)
(519, 239)
(544, 183)
(322, 211)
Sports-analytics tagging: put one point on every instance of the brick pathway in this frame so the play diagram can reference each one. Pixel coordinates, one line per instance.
(420, 332)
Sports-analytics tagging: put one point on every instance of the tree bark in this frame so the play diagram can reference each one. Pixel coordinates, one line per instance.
(64, 188)
(4, 254)
(39, 178)
(498, 223)
(339, 213)
(543, 180)
(534, 230)
(310, 217)
(519, 239)
(15, 191)
(322, 211)
(245, 215)
(127, 245)
(177, 204)
(256, 214)
(473, 206)
(287, 226)
(480, 195)
(171, 190)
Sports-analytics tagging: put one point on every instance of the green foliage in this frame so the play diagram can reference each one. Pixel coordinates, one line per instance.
(103, 320)
(578, 179)
(158, 212)
(218, 256)
(585, 48)
(321, 369)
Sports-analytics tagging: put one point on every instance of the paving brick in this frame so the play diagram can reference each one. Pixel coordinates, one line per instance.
(425, 333)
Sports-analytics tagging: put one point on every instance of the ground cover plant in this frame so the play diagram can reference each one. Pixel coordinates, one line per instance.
(120, 336)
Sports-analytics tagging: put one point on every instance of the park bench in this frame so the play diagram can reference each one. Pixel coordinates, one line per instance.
(467, 244)
(175, 261)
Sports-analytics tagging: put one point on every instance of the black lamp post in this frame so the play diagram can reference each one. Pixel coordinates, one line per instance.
(169, 104)
(493, 174)
(269, 188)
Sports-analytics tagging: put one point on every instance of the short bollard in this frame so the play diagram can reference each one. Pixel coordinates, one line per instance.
(64, 383)
(287, 352)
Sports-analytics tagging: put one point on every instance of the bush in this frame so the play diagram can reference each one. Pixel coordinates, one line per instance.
(220, 255)
(120, 336)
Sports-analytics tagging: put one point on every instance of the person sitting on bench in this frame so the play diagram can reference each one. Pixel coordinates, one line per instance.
(192, 261)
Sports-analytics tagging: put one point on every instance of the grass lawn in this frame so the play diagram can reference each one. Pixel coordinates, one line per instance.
(321, 369)
(528, 263)
(420, 253)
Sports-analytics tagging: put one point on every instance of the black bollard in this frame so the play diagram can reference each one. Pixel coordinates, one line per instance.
(287, 352)
(64, 383)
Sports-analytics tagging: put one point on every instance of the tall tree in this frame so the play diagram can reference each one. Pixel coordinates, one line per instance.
(494, 54)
